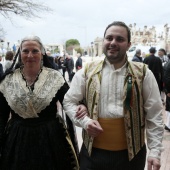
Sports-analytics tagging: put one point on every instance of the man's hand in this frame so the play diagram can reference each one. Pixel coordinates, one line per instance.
(94, 128)
(81, 111)
(153, 163)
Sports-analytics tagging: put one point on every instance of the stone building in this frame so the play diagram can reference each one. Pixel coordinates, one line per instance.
(145, 37)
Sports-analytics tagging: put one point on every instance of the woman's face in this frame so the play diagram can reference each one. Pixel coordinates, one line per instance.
(31, 54)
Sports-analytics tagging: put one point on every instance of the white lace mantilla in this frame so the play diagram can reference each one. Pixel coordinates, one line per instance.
(29, 103)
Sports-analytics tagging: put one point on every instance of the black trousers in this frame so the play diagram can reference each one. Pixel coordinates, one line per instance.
(69, 74)
(111, 160)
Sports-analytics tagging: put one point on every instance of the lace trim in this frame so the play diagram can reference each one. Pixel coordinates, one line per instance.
(27, 103)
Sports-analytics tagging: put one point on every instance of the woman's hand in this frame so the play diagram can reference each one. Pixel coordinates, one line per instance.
(168, 94)
(81, 111)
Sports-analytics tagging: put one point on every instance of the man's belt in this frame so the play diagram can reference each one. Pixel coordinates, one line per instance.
(113, 136)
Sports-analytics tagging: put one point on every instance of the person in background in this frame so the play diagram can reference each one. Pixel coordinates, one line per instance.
(137, 57)
(79, 62)
(69, 64)
(52, 60)
(155, 65)
(60, 62)
(123, 102)
(35, 136)
(8, 60)
(162, 56)
(167, 92)
(1, 70)
(14, 48)
(1, 67)
(0, 58)
(143, 55)
(164, 59)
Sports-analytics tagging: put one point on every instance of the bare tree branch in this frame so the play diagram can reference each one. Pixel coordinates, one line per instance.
(24, 8)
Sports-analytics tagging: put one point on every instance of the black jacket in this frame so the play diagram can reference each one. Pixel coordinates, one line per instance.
(52, 62)
(155, 65)
(69, 63)
(166, 77)
(1, 70)
(78, 63)
(166, 80)
(137, 59)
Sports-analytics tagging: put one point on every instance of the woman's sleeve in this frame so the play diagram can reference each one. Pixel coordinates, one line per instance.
(4, 115)
(61, 93)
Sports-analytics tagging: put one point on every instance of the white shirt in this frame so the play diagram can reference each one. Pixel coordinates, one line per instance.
(111, 102)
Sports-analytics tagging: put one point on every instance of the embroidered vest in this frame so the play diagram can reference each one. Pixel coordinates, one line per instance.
(134, 116)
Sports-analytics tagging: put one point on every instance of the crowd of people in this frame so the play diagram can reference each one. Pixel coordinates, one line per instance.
(159, 65)
(116, 102)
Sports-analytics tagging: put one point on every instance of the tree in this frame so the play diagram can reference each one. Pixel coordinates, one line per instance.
(72, 42)
(24, 8)
(79, 50)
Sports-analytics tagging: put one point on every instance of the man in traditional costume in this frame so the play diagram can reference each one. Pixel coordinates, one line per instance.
(123, 101)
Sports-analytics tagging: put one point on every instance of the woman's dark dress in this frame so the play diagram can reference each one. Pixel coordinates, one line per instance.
(38, 143)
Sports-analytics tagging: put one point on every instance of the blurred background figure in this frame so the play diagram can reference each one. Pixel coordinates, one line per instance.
(166, 80)
(79, 62)
(0, 58)
(69, 64)
(162, 56)
(61, 67)
(1, 70)
(137, 57)
(52, 60)
(155, 65)
(143, 55)
(14, 48)
(8, 60)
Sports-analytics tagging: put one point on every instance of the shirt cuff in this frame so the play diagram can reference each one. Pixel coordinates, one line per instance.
(83, 121)
(155, 154)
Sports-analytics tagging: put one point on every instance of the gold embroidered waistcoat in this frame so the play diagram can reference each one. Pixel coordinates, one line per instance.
(134, 116)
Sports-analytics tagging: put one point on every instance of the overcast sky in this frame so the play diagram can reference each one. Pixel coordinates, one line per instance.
(85, 20)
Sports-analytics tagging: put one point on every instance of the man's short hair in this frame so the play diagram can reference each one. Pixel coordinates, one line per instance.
(152, 50)
(9, 55)
(161, 49)
(138, 51)
(121, 24)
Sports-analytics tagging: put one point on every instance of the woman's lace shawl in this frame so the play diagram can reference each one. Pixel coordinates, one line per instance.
(27, 103)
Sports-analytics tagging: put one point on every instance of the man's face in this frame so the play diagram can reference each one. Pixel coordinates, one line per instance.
(116, 44)
(160, 53)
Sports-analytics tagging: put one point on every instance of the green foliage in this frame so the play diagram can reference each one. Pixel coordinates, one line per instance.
(72, 42)
(56, 50)
(79, 50)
